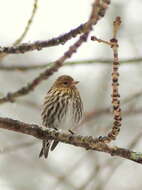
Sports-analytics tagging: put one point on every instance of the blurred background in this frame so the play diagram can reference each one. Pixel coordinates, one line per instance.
(70, 167)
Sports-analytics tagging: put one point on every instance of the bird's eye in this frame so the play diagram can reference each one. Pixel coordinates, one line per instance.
(65, 83)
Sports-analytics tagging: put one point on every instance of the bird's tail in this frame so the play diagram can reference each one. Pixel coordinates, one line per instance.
(46, 147)
(54, 144)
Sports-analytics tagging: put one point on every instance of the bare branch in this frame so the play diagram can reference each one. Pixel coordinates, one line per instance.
(16, 147)
(94, 113)
(22, 68)
(46, 74)
(86, 142)
(38, 45)
(22, 36)
(83, 28)
(98, 10)
(18, 41)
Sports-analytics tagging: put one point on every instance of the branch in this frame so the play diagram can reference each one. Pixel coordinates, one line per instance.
(10, 97)
(86, 142)
(98, 11)
(38, 45)
(30, 21)
(68, 63)
(94, 113)
(115, 76)
(24, 33)
(115, 91)
(101, 5)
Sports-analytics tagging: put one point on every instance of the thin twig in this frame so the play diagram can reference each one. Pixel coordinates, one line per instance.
(95, 113)
(8, 149)
(114, 165)
(70, 171)
(69, 63)
(26, 29)
(30, 21)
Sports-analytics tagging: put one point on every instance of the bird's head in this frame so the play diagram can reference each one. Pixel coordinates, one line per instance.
(65, 81)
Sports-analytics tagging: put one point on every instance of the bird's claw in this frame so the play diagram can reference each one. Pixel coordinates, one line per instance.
(72, 133)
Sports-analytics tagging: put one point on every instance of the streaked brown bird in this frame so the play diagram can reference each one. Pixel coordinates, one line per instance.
(62, 107)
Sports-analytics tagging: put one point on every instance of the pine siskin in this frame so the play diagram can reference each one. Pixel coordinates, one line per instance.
(62, 104)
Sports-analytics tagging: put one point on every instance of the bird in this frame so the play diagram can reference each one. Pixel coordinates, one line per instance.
(62, 104)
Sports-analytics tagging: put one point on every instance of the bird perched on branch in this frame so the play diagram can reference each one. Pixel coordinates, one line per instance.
(62, 105)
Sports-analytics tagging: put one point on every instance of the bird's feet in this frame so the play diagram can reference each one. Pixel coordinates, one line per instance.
(55, 128)
(70, 131)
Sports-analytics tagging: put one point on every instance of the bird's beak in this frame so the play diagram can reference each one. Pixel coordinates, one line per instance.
(74, 83)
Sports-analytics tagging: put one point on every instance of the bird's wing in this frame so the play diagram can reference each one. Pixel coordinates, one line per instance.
(77, 109)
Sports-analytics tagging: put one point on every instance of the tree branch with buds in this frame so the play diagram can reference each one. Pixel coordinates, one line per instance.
(83, 28)
(87, 142)
(98, 11)
(115, 76)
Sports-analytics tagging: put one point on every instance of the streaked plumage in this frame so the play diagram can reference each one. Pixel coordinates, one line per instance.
(62, 103)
